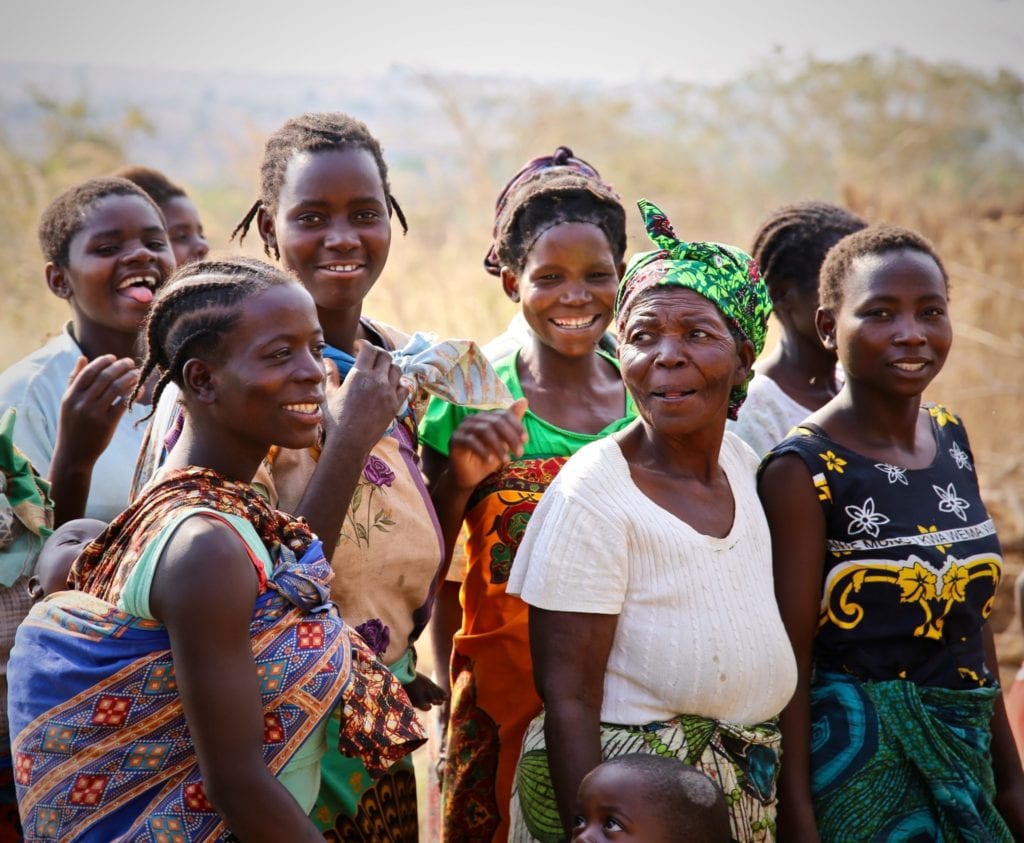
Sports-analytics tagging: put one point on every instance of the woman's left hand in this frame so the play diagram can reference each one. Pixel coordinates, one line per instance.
(424, 693)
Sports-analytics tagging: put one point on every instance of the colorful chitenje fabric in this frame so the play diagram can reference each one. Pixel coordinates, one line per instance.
(723, 274)
(102, 749)
(899, 761)
(743, 761)
(493, 696)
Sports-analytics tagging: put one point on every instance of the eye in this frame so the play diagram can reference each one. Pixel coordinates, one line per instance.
(699, 334)
(156, 245)
(107, 249)
(640, 337)
(878, 313)
(578, 821)
(366, 216)
(318, 349)
(612, 824)
(310, 218)
(934, 312)
(280, 354)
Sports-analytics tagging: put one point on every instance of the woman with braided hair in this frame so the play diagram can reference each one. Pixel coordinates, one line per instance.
(799, 374)
(188, 679)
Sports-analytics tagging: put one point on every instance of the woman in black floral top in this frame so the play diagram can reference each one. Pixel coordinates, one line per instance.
(886, 567)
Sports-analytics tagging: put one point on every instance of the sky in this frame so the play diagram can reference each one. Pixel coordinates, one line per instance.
(597, 40)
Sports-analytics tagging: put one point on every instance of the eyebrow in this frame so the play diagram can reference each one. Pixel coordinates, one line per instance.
(119, 232)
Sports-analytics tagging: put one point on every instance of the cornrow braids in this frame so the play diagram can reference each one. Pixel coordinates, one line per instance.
(552, 196)
(792, 242)
(313, 132)
(193, 311)
(873, 240)
(65, 216)
(160, 188)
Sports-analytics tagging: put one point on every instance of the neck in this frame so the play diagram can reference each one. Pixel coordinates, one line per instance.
(797, 358)
(201, 447)
(880, 420)
(547, 369)
(341, 327)
(691, 455)
(96, 341)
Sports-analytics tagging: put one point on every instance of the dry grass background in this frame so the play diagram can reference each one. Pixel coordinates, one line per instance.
(935, 148)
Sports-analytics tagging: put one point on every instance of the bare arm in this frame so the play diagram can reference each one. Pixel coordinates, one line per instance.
(570, 654)
(798, 545)
(1005, 759)
(355, 417)
(445, 621)
(92, 407)
(203, 592)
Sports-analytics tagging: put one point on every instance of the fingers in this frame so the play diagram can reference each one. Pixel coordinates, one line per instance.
(491, 436)
(105, 383)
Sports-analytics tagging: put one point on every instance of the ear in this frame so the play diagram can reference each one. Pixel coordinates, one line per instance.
(265, 226)
(510, 283)
(780, 293)
(825, 322)
(621, 268)
(58, 281)
(197, 378)
(746, 356)
(35, 589)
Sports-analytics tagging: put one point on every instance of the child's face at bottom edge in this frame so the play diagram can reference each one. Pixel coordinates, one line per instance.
(59, 553)
(612, 805)
(332, 226)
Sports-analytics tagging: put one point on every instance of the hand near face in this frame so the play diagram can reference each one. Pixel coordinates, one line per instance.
(366, 403)
(96, 398)
(484, 442)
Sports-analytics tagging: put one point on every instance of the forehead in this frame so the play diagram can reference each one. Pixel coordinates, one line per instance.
(332, 176)
(118, 213)
(283, 308)
(895, 273)
(79, 528)
(670, 303)
(570, 240)
(178, 210)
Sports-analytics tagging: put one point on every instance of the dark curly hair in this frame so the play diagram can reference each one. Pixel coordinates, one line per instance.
(65, 216)
(873, 240)
(312, 132)
(194, 309)
(791, 244)
(552, 196)
(160, 188)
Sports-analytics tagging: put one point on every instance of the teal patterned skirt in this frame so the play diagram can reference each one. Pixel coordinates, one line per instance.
(895, 761)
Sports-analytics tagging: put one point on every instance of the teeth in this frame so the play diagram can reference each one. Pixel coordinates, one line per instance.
(146, 280)
(909, 367)
(308, 409)
(343, 267)
(574, 323)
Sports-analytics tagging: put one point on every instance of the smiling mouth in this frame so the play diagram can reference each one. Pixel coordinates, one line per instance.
(139, 288)
(672, 395)
(578, 324)
(342, 267)
(303, 409)
(907, 366)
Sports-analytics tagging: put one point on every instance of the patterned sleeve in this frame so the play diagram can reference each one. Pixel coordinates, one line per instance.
(572, 558)
(439, 422)
(815, 454)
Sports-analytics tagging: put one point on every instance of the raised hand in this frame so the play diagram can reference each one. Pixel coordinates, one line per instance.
(484, 442)
(96, 398)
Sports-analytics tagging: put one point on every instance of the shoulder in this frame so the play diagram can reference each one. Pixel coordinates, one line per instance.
(44, 371)
(736, 451)
(199, 539)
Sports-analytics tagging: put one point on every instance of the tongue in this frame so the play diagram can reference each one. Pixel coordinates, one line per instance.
(140, 293)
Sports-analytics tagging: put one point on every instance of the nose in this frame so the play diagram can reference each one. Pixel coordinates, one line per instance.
(140, 254)
(341, 235)
(576, 293)
(671, 352)
(909, 331)
(310, 368)
(200, 249)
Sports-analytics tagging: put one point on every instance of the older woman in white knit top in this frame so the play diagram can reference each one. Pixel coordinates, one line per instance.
(647, 565)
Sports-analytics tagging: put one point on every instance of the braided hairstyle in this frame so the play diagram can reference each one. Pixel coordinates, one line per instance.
(192, 312)
(312, 132)
(549, 197)
(792, 242)
(873, 240)
(160, 188)
(65, 216)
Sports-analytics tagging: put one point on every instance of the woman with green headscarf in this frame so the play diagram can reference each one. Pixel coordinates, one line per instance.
(647, 564)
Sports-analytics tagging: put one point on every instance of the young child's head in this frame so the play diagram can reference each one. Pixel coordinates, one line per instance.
(59, 552)
(107, 253)
(559, 242)
(325, 206)
(885, 307)
(180, 213)
(790, 247)
(651, 799)
(254, 334)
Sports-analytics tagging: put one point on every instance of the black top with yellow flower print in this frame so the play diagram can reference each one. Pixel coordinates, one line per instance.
(912, 560)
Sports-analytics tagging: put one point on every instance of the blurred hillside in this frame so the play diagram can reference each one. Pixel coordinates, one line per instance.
(936, 147)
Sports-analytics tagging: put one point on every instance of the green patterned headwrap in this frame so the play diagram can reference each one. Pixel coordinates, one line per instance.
(725, 275)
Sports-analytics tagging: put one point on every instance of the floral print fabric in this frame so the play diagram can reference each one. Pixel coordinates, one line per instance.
(912, 560)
